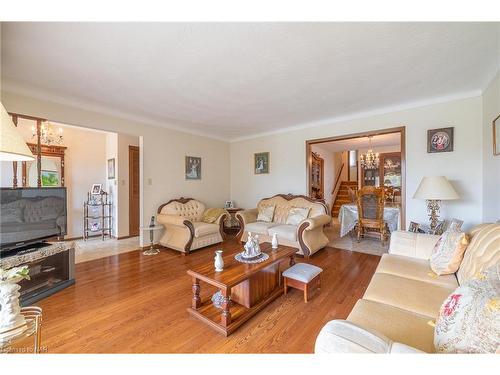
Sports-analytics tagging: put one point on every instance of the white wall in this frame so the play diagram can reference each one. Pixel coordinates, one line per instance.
(84, 166)
(491, 163)
(462, 166)
(162, 153)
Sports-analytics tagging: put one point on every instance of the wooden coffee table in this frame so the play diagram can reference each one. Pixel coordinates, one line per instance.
(246, 288)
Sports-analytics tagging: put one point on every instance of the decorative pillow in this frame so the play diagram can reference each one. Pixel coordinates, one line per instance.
(212, 215)
(266, 214)
(469, 319)
(448, 252)
(296, 215)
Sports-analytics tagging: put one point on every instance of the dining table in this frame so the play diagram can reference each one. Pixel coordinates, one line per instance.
(348, 217)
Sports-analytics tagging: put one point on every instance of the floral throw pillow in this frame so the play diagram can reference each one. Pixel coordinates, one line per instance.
(448, 252)
(296, 215)
(266, 214)
(469, 319)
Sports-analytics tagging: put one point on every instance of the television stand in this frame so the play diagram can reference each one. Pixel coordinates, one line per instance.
(51, 268)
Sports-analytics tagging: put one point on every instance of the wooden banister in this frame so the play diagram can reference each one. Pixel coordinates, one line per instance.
(337, 179)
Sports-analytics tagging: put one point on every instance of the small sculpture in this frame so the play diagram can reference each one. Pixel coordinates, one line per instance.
(274, 243)
(252, 247)
(218, 261)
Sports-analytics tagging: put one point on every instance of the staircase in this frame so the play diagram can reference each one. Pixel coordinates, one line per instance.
(343, 196)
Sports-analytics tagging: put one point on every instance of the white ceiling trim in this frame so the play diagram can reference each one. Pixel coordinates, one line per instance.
(365, 114)
(92, 107)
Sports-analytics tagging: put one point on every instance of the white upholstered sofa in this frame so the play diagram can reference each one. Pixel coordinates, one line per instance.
(404, 296)
(308, 236)
(185, 229)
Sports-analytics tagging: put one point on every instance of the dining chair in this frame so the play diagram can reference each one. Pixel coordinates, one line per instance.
(371, 201)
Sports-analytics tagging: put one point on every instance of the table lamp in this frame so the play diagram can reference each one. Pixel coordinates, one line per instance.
(435, 189)
(12, 145)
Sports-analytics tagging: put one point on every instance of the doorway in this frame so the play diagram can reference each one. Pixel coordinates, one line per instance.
(349, 163)
(134, 190)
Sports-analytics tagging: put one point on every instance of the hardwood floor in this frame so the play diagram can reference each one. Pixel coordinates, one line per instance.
(131, 303)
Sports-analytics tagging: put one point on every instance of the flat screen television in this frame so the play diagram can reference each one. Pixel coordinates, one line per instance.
(31, 215)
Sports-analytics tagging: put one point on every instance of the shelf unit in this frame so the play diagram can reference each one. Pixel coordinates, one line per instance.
(97, 209)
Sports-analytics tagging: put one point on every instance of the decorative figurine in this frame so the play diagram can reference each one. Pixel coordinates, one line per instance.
(252, 247)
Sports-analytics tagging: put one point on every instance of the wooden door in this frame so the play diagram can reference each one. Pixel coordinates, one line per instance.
(134, 190)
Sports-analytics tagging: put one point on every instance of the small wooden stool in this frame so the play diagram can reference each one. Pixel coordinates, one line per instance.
(301, 276)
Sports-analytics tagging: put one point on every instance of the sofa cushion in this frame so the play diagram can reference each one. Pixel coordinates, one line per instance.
(413, 295)
(448, 252)
(212, 215)
(469, 319)
(483, 252)
(266, 213)
(396, 324)
(259, 227)
(284, 205)
(192, 210)
(413, 268)
(296, 215)
(288, 232)
(202, 229)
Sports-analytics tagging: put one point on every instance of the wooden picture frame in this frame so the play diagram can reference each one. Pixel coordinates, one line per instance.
(111, 169)
(261, 161)
(440, 140)
(496, 135)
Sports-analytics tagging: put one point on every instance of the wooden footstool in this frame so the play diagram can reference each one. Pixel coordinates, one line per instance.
(302, 276)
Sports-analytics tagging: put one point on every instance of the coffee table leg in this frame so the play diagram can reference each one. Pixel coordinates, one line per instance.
(196, 301)
(226, 314)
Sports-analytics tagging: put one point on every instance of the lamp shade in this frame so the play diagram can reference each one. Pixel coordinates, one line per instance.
(435, 188)
(12, 145)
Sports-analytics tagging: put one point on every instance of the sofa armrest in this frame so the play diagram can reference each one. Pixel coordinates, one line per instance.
(317, 221)
(247, 216)
(172, 220)
(415, 245)
(341, 336)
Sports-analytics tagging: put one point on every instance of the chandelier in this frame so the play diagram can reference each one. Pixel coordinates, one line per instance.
(48, 134)
(370, 160)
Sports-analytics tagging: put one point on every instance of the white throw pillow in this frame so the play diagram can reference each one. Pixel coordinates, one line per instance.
(266, 214)
(469, 319)
(296, 215)
(448, 252)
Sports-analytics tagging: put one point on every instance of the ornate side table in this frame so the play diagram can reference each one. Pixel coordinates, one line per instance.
(151, 250)
(32, 327)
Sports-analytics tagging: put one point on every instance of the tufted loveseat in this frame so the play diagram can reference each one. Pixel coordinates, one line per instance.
(184, 229)
(308, 236)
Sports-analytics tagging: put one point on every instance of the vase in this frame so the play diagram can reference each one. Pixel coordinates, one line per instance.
(10, 309)
(274, 242)
(218, 261)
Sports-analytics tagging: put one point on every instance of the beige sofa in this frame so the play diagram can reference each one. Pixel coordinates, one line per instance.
(404, 296)
(184, 229)
(308, 237)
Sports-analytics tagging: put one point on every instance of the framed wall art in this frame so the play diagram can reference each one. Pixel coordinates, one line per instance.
(193, 168)
(496, 136)
(261, 163)
(111, 169)
(440, 140)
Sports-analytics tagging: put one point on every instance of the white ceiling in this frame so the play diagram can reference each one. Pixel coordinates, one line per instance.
(233, 80)
(382, 140)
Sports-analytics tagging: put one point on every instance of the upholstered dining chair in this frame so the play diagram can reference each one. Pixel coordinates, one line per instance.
(370, 201)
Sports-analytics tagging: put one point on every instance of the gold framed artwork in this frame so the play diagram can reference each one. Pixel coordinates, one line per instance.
(261, 163)
(193, 168)
(496, 136)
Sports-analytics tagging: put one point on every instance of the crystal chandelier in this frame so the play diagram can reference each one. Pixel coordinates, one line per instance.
(370, 160)
(48, 135)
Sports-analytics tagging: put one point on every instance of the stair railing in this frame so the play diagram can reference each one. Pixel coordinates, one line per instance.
(336, 186)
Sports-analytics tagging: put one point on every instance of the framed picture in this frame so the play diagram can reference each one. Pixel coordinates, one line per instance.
(111, 169)
(261, 163)
(193, 168)
(228, 204)
(413, 227)
(496, 136)
(440, 140)
(50, 178)
(96, 189)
